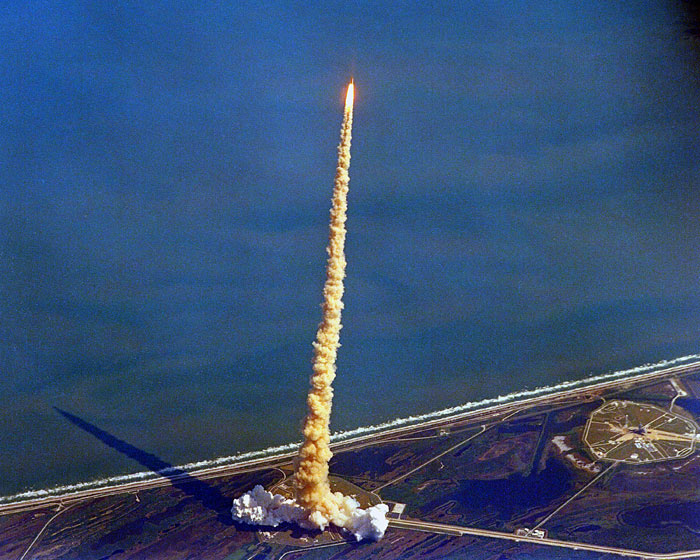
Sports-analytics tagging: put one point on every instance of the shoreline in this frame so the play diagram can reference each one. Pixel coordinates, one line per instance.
(254, 460)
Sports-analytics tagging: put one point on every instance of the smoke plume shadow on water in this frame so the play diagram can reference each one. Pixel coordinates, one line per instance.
(208, 495)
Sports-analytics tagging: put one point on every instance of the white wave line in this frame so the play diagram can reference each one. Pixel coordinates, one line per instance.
(338, 436)
(146, 475)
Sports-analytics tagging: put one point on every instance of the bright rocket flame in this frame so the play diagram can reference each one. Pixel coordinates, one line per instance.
(350, 97)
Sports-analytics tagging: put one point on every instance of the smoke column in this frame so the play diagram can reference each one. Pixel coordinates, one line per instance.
(315, 505)
(313, 491)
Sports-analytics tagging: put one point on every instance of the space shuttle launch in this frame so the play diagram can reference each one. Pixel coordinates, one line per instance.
(316, 506)
(311, 474)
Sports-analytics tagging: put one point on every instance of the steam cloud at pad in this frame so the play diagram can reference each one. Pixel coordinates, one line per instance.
(316, 506)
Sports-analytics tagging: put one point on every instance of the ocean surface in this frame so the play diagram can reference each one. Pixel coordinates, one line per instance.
(524, 210)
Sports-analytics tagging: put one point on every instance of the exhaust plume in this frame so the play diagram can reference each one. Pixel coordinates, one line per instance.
(315, 505)
(313, 490)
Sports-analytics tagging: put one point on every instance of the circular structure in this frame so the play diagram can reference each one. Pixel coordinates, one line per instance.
(629, 432)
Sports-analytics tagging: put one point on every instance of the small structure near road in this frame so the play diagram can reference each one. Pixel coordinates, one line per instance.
(536, 533)
(397, 510)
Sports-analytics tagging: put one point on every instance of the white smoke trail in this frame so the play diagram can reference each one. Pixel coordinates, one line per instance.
(289, 448)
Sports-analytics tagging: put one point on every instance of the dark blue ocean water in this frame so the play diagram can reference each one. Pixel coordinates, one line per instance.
(523, 210)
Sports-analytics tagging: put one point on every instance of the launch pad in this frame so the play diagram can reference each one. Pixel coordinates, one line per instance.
(630, 432)
(294, 536)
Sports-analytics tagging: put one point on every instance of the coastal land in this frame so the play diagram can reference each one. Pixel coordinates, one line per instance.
(604, 470)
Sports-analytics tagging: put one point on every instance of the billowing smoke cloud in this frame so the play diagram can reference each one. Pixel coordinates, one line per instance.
(315, 505)
(259, 507)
